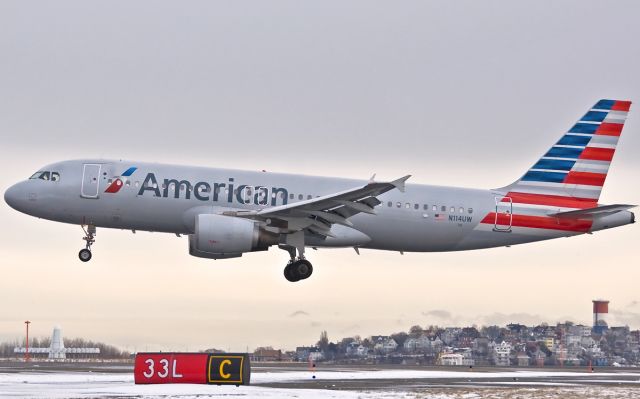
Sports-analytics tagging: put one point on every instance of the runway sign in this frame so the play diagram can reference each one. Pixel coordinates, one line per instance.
(192, 368)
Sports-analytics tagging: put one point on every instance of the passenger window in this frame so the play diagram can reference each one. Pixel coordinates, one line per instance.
(461, 210)
(128, 183)
(137, 183)
(470, 210)
(434, 208)
(399, 204)
(453, 209)
(309, 196)
(443, 208)
(300, 197)
(389, 204)
(407, 205)
(55, 176)
(44, 176)
(416, 206)
(290, 196)
(425, 207)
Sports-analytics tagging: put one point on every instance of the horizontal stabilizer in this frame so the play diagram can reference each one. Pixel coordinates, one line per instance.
(594, 212)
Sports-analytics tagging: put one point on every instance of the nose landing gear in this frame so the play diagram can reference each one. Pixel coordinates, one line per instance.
(89, 238)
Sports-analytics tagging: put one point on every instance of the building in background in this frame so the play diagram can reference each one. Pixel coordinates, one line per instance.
(57, 351)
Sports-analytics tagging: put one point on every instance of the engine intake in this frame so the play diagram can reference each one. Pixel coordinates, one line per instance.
(221, 237)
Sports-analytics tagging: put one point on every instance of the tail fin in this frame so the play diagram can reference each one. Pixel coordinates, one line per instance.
(572, 172)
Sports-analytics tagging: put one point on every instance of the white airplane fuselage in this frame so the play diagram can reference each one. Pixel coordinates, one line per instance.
(452, 221)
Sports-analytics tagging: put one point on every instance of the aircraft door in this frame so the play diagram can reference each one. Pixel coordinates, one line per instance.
(504, 214)
(90, 180)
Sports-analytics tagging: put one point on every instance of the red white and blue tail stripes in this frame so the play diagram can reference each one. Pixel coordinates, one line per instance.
(577, 165)
(571, 174)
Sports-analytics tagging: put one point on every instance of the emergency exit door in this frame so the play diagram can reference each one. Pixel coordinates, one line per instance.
(504, 214)
(90, 180)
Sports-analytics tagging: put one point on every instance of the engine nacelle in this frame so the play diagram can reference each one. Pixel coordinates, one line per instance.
(221, 237)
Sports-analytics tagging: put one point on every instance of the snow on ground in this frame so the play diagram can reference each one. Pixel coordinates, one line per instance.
(294, 376)
(95, 385)
(120, 385)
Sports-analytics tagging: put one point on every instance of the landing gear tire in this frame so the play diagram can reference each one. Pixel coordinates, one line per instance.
(89, 238)
(290, 274)
(84, 255)
(298, 270)
(303, 269)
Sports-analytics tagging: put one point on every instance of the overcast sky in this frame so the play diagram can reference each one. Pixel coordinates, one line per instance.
(464, 93)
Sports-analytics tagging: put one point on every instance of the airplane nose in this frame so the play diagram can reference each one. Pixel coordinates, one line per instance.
(13, 196)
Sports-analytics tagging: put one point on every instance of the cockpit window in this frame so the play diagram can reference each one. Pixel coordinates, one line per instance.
(46, 175)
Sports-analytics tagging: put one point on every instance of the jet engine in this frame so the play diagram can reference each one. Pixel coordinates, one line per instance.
(221, 237)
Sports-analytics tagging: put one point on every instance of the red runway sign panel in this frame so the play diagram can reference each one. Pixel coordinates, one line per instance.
(192, 368)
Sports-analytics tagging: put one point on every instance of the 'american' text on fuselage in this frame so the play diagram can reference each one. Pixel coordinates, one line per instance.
(203, 191)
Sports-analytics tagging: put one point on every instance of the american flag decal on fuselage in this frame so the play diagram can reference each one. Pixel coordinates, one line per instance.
(569, 176)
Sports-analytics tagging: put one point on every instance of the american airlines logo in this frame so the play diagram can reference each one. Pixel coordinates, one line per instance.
(204, 191)
(119, 181)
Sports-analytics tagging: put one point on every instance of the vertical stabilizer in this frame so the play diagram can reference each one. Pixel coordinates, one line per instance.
(571, 174)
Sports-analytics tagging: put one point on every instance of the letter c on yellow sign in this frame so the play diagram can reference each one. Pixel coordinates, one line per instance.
(223, 363)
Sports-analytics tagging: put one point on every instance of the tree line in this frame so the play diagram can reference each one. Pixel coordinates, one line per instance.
(106, 351)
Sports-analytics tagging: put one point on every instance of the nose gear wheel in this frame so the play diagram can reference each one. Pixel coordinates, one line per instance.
(89, 238)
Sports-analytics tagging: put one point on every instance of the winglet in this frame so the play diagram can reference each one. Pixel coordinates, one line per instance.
(399, 183)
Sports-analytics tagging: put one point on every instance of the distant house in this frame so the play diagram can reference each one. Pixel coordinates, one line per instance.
(266, 355)
(384, 344)
(362, 351)
(538, 358)
(356, 349)
(411, 345)
(501, 354)
(352, 348)
(523, 359)
(419, 344)
(450, 334)
(451, 359)
(459, 358)
(308, 353)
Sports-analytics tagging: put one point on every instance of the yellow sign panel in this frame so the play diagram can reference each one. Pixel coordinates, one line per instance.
(225, 369)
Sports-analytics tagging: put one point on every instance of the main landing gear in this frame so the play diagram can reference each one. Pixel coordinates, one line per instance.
(89, 237)
(298, 268)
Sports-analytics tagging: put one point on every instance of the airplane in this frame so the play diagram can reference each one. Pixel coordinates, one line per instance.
(227, 213)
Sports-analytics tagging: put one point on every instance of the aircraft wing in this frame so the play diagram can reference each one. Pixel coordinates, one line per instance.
(590, 213)
(318, 214)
